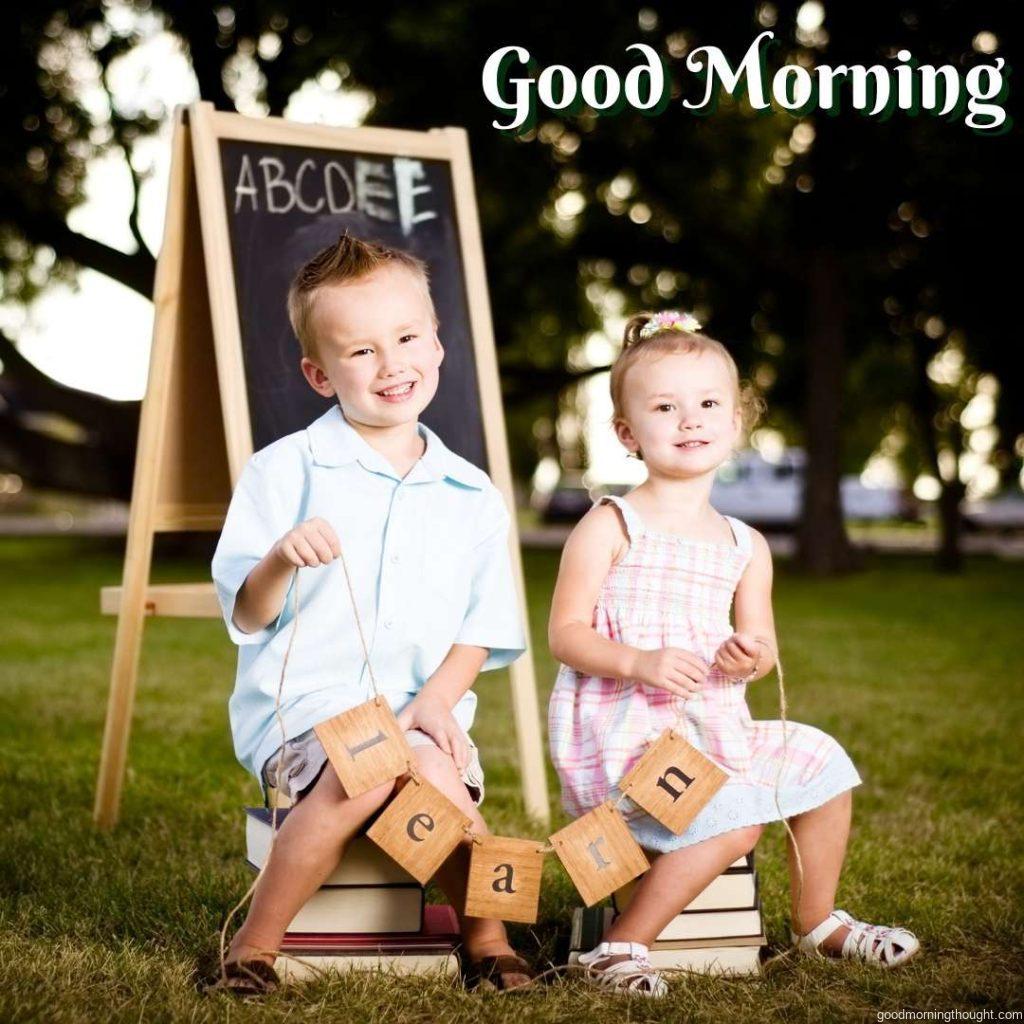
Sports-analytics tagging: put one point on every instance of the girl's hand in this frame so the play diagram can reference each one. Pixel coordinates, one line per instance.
(672, 669)
(311, 543)
(432, 716)
(737, 657)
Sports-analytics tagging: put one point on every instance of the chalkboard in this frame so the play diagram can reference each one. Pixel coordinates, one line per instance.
(286, 202)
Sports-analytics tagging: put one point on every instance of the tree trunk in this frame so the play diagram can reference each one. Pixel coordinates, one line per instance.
(823, 548)
(948, 557)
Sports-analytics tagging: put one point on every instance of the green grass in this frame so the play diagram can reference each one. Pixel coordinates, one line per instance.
(918, 675)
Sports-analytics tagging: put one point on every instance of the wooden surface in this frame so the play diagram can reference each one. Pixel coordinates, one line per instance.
(220, 280)
(504, 879)
(655, 784)
(179, 600)
(361, 767)
(599, 853)
(173, 315)
(419, 829)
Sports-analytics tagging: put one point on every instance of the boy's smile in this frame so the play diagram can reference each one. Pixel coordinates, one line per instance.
(377, 348)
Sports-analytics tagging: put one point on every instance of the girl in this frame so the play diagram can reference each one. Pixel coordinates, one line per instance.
(640, 621)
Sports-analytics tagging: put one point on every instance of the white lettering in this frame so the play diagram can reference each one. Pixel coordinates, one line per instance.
(305, 207)
(407, 173)
(873, 90)
(271, 185)
(654, 72)
(336, 169)
(718, 67)
(248, 189)
(521, 103)
(369, 188)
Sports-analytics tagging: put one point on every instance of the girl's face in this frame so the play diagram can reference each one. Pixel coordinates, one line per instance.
(680, 413)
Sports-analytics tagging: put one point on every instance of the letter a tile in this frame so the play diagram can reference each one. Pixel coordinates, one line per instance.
(599, 852)
(365, 745)
(504, 879)
(673, 781)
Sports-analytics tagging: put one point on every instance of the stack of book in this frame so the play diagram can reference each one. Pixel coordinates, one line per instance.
(720, 932)
(369, 913)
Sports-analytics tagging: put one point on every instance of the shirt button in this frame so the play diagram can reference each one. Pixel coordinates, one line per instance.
(394, 558)
(388, 623)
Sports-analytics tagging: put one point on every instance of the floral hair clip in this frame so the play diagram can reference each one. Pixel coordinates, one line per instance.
(670, 320)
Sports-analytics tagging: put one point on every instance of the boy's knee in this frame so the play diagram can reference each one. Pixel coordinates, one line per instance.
(334, 793)
(438, 768)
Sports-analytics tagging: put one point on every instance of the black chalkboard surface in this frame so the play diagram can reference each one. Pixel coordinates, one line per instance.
(284, 203)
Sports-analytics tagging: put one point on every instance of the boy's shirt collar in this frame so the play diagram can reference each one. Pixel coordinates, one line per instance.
(335, 442)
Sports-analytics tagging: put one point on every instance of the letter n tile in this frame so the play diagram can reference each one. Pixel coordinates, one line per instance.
(673, 781)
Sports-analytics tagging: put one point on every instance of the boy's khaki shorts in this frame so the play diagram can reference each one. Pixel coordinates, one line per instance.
(305, 758)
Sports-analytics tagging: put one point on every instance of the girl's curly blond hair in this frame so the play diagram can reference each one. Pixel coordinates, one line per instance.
(638, 344)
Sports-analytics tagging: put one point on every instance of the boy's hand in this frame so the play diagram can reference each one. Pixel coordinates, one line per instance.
(672, 669)
(737, 657)
(431, 715)
(311, 543)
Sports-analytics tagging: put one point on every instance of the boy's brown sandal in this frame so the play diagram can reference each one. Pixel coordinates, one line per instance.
(260, 979)
(489, 973)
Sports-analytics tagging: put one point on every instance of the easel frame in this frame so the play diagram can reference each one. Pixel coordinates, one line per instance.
(197, 346)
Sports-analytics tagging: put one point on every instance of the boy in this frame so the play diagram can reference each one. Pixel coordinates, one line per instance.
(425, 538)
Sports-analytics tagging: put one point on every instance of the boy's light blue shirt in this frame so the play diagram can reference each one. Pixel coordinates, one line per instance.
(430, 567)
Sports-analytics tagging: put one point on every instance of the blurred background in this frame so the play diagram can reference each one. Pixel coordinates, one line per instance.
(862, 272)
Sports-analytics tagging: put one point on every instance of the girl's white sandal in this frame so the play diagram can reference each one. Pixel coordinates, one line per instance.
(635, 976)
(872, 943)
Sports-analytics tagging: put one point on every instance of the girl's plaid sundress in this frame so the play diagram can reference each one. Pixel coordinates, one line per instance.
(669, 591)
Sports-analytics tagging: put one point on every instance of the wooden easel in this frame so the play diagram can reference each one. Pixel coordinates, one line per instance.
(194, 431)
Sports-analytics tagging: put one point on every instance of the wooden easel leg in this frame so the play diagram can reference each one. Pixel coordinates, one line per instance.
(528, 740)
(148, 466)
(124, 673)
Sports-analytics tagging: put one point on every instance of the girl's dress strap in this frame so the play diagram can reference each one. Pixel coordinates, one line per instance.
(634, 525)
(744, 541)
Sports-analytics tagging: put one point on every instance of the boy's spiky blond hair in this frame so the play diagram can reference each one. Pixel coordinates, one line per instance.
(348, 259)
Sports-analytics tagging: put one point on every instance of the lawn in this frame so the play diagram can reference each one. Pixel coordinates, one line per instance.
(919, 676)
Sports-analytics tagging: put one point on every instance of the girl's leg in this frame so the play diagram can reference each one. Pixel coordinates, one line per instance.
(308, 846)
(481, 936)
(672, 881)
(822, 835)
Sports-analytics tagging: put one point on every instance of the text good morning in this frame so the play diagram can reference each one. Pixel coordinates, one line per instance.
(875, 90)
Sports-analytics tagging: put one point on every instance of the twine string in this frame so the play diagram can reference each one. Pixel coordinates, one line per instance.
(277, 788)
(284, 739)
(359, 624)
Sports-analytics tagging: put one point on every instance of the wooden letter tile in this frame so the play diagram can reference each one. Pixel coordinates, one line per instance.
(419, 829)
(673, 781)
(599, 852)
(365, 745)
(504, 879)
